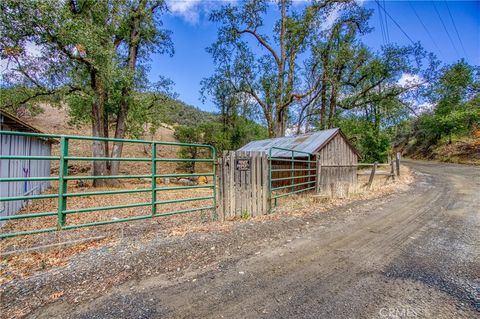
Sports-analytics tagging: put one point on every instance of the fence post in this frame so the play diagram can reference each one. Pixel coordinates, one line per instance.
(214, 164)
(392, 169)
(397, 159)
(372, 175)
(62, 182)
(318, 175)
(154, 179)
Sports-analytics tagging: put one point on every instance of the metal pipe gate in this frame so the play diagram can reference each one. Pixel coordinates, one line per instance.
(63, 178)
(305, 162)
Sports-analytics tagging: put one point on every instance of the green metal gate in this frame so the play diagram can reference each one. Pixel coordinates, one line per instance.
(63, 178)
(297, 161)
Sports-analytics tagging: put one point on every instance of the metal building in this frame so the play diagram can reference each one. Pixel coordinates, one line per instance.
(335, 153)
(21, 145)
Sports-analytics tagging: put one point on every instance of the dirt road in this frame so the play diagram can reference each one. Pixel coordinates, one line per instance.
(415, 254)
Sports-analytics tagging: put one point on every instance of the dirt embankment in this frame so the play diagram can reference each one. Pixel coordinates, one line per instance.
(464, 150)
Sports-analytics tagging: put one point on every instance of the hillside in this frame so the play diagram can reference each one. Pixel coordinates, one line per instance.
(462, 150)
(54, 120)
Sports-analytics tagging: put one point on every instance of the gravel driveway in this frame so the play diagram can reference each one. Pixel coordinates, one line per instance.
(410, 254)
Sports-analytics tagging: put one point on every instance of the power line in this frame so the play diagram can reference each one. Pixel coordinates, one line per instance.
(455, 27)
(425, 27)
(445, 28)
(382, 28)
(386, 23)
(396, 23)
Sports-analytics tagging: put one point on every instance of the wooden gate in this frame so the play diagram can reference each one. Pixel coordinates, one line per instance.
(243, 185)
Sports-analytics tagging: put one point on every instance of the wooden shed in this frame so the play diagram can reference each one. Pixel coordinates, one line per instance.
(21, 145)
(330, 148)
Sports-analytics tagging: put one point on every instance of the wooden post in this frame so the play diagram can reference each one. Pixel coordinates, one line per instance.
(372, 175)
(397, 159)
(318, 175)
(392, 170)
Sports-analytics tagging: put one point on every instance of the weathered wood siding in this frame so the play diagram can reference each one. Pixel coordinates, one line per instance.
(21, 145)
(337, 152)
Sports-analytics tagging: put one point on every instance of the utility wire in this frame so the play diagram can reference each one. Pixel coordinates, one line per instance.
(425, 27)
(456, 30)
(445, 28)
(380, 19)
(395, 22)
(386, 23)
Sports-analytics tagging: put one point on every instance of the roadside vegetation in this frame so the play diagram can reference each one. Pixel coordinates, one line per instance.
(298, 72)
(449, 130)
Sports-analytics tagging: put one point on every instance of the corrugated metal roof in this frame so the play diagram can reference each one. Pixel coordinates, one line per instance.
(16, 124)
(310, 143)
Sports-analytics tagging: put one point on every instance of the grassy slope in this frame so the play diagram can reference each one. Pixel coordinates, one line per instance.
(462, 150)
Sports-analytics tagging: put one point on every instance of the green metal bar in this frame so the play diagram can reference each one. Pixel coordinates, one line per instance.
(182, 200)
(63, 179)
(270, 189)
(123, 191)
(288, 150)
(94, 209)
(295, 192)
(287, 186)
(28, 157)
(154, 179)
(22, 198)
(28, 232)
(280, 159)
(289, 169)
(27, 179)
(185, 175)
(293, 172)
(106, 222)
(214, 157)
(125, 159)
(309, 171)
(287, 178)
(203, 160)
(22, 216)
(75, 178)
(184, 187)
(62, 183)
(93, 138)
(183, 211)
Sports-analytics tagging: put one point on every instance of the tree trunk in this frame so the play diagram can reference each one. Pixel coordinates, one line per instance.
(323, 106)
(121, 128)
(99, 167)
(280, 124)
(270, 125)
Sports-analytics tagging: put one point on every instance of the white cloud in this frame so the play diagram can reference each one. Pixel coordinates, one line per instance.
(187, 9)
(408, 79)
(360, 2)
(191, 10)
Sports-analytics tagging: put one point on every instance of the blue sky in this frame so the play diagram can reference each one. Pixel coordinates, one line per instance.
(192, 33)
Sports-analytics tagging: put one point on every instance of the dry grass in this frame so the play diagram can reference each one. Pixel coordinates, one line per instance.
(25, 264)
(54, 121)
(302, 204)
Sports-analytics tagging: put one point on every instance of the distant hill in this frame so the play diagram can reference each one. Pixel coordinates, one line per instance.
(173, 112)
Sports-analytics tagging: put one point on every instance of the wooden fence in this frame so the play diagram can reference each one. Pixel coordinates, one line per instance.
(243, 185)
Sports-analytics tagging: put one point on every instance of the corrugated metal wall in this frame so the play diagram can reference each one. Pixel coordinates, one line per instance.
(21, 145)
